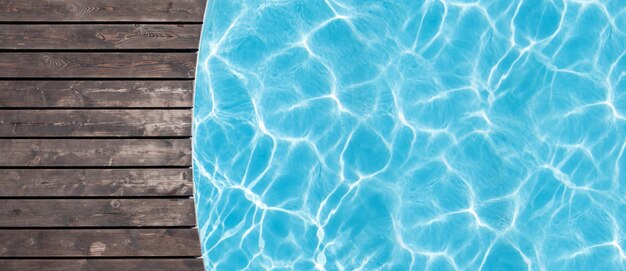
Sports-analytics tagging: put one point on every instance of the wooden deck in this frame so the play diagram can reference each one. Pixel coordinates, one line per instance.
(96, 104)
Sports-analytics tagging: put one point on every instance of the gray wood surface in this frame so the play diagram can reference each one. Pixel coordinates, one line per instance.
(97, 65)
(95, 152)
(103, 265)
(99, 243)
(17, 183)
(95, 123)
(99, 36)
(96, 94)
(47, 213)
(96, 99)
(102, 10)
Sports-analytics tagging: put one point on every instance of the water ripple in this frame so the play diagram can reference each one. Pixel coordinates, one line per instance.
(412, 135)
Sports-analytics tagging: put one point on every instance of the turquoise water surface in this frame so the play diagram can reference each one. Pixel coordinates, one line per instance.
(412, 135)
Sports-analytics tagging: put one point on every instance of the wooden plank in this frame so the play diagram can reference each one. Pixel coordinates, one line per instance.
(95, 182)
(92, 37)
(99, 243)
(95, 152)
(90, 94)
(97, 65)
(103, 264)
(16, 213)
(102, 10)
(96, 123)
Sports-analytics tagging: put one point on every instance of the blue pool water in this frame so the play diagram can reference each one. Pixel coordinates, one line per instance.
(412, 135)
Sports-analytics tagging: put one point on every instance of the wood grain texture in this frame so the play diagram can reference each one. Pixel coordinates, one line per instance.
(103, 265)
(16, 213)
(97, 65)
(99, 243)
(96, 102)
(102, 10)
(95, 152)
(95, 182)
(93, 37)
(93, 94)
(95, 123)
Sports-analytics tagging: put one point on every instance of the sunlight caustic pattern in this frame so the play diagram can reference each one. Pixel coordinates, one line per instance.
(412, 135)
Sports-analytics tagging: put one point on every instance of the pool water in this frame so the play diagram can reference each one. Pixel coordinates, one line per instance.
(412, 135)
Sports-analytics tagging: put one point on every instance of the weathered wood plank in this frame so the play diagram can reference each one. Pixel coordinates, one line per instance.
(108, 36)
(89, 94)
(97, 65)
(103, 265)
(99, 243)
(96, 123)
(95, 152)
(96, 212)
(95, 182)
(58, 196)
(102, 10)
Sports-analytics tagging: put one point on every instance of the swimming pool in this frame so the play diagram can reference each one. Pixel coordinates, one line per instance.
(412, 135)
